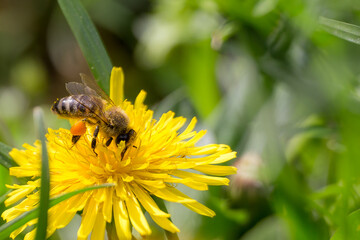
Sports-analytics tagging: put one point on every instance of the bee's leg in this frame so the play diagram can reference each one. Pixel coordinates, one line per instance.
(75, 138)
(108, 142)
(131, 135)
(77, 130)
(93, 142)
(121, 137)
(127, 137)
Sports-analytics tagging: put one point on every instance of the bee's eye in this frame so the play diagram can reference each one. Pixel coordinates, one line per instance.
(111, 126)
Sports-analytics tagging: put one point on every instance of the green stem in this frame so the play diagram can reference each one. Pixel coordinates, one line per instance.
(161, 205)
(111, 231)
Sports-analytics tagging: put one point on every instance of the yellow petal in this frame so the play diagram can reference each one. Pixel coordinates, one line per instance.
(137, 217)
(224, 158)
(190, 127)
(165, 223)
(62, 217)
(148, 203)
(151, 175)
(88, 218)
(99, 227)
(200, 209)
(28, 157)
(216, 170)
(188, 132)
(210, 180)
(79, 201)
(176, 124)
(17, 231)
(196, 138)
(168, 194)
(209, 149)
(153, 183)
(117, 85)
(25, 171)
(100, 195)
(107, 206)
(189, 182)
(30, 235)
(26, 205)
(185, 165)
(122, 222)
(195, 206)
(127, 178)
(139, 101)
(121, 190)
(18, 194)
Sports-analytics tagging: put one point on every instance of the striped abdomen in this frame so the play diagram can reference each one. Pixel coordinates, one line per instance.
(78, 106)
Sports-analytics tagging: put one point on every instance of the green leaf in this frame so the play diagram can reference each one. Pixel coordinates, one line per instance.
(89, 41)
(45, 176)
(5, 158)
(328, 191)
(350, 228)
(342, 30)
(272, 227)
(8, 227)
(263, 7)
(3, 197)
(200, 79)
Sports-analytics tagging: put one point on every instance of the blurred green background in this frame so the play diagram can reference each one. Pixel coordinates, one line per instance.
(260, 75)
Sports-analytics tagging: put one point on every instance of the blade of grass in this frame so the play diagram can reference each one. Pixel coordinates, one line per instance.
(45, 177)
(8, 227)
(89, 41)
(3, 197)
(342, 30)
(5, 158)
(349, 230)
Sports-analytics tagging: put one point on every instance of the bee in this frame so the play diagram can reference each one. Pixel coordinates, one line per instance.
(89, 104)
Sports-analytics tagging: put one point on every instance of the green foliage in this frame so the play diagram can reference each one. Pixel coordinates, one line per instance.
(88, 40)
(349, 32)
(5, 158)
(45, 177)
(349, 229)
(274, 79)
(200, 77)
(3, 197)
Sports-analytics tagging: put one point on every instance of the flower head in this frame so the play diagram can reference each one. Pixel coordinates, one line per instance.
(159, 159)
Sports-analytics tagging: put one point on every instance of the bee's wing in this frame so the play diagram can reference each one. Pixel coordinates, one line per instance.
(75, 88)
(91, 84)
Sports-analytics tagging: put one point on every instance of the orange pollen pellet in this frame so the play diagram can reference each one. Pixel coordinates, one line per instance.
(78, 128)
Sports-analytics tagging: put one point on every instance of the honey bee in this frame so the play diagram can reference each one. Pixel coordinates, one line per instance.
(92, 106)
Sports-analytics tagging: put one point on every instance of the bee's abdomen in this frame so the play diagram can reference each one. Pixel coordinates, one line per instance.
(77, 106)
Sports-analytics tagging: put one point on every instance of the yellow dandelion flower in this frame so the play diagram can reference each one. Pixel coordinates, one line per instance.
(160, 159)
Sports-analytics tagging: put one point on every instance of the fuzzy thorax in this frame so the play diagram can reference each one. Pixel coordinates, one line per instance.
(118, 122)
